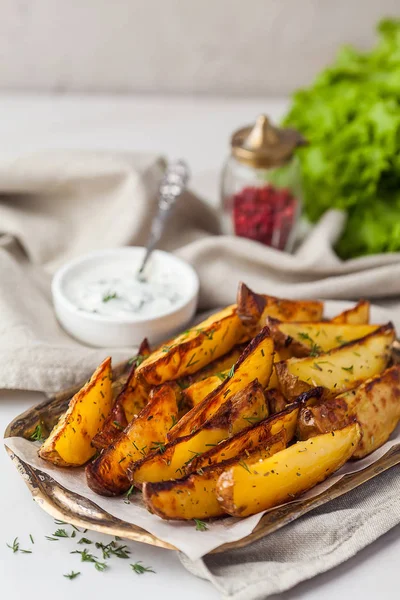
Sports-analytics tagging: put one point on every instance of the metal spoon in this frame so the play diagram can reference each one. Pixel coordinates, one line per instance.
(172, 185)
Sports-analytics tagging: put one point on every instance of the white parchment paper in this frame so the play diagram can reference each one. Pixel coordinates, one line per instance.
(183, 535)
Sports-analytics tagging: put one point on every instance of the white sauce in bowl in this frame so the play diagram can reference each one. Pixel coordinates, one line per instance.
(111, 288)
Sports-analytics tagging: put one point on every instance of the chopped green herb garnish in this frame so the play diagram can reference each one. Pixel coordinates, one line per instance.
(315, 350)
(51, 539)
(112, 549)
(200, 525)
(72, 575)
(60, 533)
(349, 369)
(110, 296)
(37, 435)
(85, 541)
(139, 569)
(87, 557)
(118, 425)
(14, 546)
(174, 421)
(31, 537)
(160, 446)
(192, 362)
(138, 359)
(231, 371)
(220, 376)
(244, 465)
(316, 366)
(129, 494)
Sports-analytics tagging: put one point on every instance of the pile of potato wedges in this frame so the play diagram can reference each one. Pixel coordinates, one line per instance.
(245, 411)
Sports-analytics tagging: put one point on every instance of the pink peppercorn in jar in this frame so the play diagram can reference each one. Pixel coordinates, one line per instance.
(261, 189)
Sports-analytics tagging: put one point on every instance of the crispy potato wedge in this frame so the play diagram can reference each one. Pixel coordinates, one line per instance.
(246, 489)
(340, 369)
(255, 363)
(200, 389)
(246, 406)
(375, 405)
(194, 496)
(255, 435)
(358, 315)
(312, 339)
(254, 309)
(193, 349)
(276, 401)
(128, 404)
(70, 442)
(224, 363)
(195, 393)
(106, 475)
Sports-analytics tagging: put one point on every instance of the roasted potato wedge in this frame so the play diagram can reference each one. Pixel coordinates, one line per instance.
(255, 363)
(70, 442)
(106, 475)
(276, 401)
(195, 393)
(358, 315)
(248, 405)
(255, 435)
(194, 496)
(254, 309)
(340, 369)
(193, 349)
(312, 339)
(128, 404)
(220, 365)
(375, 404)
(248, 488)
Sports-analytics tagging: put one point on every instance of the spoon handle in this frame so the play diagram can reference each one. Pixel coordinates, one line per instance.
(172, 185)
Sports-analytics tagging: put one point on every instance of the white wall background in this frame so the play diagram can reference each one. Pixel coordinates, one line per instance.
(237, 47)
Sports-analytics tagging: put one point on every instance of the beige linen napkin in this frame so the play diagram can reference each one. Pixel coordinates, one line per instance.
(55, 206)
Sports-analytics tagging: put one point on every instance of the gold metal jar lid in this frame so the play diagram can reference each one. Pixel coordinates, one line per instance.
(263, 145)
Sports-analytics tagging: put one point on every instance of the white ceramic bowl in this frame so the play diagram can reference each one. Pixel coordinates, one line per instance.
(111, 330)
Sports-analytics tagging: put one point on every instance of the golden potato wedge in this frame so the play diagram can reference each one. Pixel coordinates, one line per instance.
(255, 435)
(224, 363)
(253, 309)
(246, 406)
(313, 339)
(194, 496)
(358, 315)
(200, 389)
(248, 488)
(70, 442)
(193, 349)
(255, 363)
(106, 475)
(128, 404)
(196, 392)
(340, 369)
(375, 404)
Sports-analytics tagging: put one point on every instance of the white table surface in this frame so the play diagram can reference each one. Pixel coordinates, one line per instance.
(198, 130)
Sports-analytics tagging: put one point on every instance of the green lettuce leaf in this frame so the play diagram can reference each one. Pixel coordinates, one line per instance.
(351, 118)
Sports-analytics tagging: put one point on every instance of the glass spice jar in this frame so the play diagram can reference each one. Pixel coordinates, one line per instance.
(261, 186)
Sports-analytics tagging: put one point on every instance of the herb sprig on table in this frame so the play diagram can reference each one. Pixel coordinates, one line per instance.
(108, 550)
